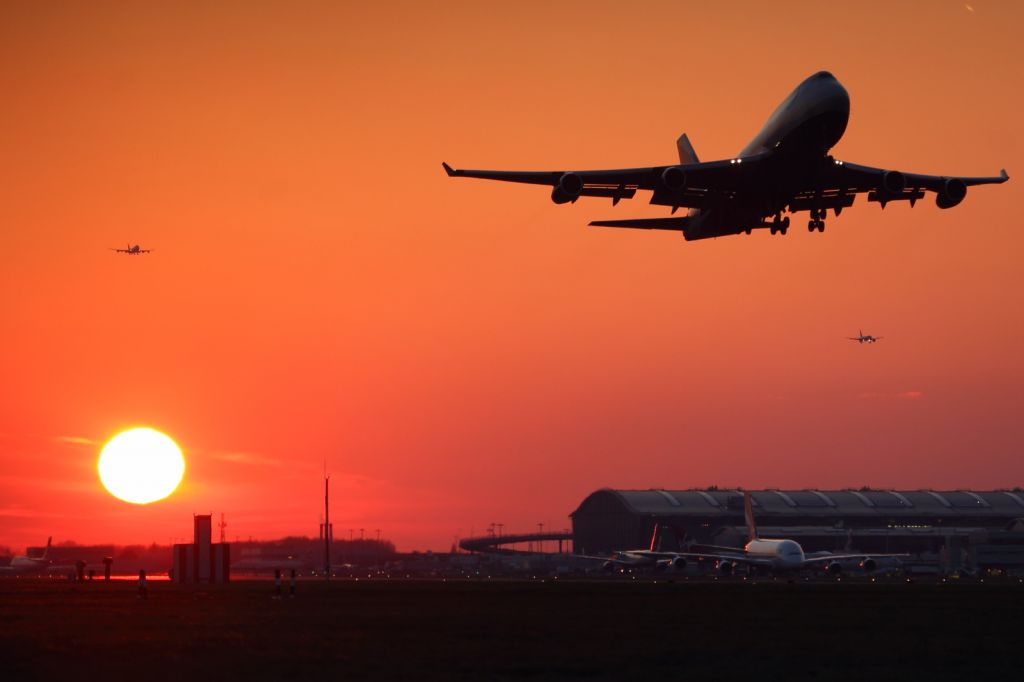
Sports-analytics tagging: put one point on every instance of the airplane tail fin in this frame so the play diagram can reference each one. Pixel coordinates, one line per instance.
(656, 539)
(686, 152)
(46, 551)
(748, 514)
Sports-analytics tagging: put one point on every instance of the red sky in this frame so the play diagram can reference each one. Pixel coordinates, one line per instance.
(464, 352)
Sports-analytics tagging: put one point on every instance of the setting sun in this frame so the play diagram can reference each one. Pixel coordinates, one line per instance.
(141, 465)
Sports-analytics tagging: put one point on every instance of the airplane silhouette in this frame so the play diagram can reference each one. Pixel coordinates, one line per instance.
(864, 338)
(785, 168)
(132, 250)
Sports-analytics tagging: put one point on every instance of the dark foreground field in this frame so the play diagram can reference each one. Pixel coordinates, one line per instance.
(492, 630)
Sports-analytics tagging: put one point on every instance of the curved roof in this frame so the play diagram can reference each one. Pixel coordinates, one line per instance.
(866, 502)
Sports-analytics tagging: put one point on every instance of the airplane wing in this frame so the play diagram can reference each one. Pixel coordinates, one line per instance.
(848, 557)
(736, 558)
(691, 185)
(836, 184)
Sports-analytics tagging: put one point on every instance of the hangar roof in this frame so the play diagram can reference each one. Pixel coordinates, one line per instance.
(864, 501)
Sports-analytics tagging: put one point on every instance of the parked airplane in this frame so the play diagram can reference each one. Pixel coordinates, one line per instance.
(132, 250)
(864, 338)
(24, 565)
(776, 555)
(785, 168)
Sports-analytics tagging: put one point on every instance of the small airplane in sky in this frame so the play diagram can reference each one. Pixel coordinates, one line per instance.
(864, 338)
(777, 556)
(785, 168)
(24, 565)
(132, 250)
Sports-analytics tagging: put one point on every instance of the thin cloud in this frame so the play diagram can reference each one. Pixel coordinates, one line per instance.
(247, 458)
(75, 440)
(898, 395)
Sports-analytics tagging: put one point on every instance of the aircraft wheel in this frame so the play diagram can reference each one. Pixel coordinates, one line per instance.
(812, 226)
(785, 221)
(782, 230)
(772, 229)
(821, 226)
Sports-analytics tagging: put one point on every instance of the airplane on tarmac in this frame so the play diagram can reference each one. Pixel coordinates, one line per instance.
(133, 250)
(864, 338)
(775, 555)
(785, 168)
(24, 565)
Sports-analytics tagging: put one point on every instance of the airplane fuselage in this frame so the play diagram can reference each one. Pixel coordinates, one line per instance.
(799, 133)
(783, 554)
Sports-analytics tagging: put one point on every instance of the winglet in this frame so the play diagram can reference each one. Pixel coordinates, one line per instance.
(1003, 175)
(448, 169)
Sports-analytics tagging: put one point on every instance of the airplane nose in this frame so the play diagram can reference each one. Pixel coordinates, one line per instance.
(824, 75)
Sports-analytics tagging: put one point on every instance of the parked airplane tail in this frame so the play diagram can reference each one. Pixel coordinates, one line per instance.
(748, 514)
(656, 539)
(675, 536)
(46, 551)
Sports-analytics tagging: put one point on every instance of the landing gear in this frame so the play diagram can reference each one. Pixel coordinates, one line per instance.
(817, 221)
(779, 224)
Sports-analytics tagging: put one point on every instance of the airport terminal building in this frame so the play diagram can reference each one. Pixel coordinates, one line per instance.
(982, 528)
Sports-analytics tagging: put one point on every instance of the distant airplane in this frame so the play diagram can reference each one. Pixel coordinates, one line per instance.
(774, 555)
(23, 565)
(785, 168)
(864, 338)
(132, 250)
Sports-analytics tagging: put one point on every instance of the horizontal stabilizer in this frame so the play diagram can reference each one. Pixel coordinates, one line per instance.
(678, 224)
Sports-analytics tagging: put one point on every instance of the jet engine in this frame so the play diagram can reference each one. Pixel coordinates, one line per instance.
(893, 182)
(609, 566)
(834, 568)
(568, 189)
(725, 567)
(952, 193)
(674, 179)
(868, 565)
(678, 563)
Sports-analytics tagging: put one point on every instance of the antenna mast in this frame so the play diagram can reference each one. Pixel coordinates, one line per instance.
(328, 530)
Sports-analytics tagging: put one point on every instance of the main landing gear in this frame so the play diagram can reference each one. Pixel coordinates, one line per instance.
(779, 224)
(817, 221)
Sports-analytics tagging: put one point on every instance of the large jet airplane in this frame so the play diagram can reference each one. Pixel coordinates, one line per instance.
(23, 565)
(133, 250)
(785, 168)
(864, 338)
(775, 555)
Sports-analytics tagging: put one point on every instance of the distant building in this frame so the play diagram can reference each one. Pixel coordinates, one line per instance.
(983, 524)
(202, 561)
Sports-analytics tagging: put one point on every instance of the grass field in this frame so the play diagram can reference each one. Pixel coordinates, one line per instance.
(497, 630)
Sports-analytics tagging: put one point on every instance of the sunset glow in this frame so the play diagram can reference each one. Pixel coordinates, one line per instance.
(141, 466)
(463, 353)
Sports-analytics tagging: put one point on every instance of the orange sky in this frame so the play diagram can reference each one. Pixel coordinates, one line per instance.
(463, 352)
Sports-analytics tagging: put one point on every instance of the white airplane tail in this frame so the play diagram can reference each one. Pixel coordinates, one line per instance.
(748, 514)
